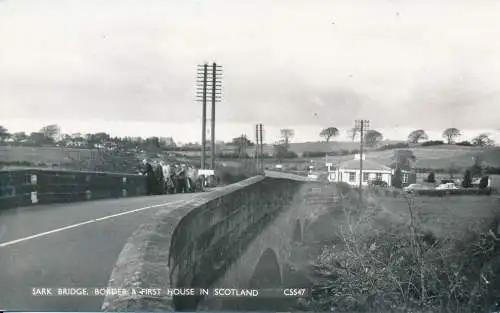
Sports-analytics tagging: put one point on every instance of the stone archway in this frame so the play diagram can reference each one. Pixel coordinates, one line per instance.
(267, 273)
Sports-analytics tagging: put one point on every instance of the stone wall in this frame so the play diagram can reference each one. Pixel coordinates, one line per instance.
(45, 186)
(206, 241)
(193, 245)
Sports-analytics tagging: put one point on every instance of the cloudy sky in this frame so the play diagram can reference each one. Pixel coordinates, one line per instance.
(128, 67)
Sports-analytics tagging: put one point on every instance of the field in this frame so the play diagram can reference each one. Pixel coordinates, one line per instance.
(449, 217)
(437, 157)
(301, 147)
(48, 155)
(367, 253)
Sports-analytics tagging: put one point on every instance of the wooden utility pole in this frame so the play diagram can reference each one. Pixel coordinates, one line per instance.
(201, 82)
(216, 96)
(361, 126)
(208, 83)
(261, 149)
(257, 148)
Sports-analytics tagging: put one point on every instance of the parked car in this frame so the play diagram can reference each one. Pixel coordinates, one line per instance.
(447, 186)
(414, 187)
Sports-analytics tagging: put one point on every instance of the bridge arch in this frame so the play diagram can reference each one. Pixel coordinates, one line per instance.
(267, 273)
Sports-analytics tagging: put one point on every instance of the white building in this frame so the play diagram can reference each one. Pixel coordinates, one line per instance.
(348, 172)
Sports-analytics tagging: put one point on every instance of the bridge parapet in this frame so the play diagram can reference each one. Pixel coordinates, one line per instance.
(193, 244)
(200, 243)
(43, 186)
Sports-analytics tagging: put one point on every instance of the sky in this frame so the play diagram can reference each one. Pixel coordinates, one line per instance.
(129, 67)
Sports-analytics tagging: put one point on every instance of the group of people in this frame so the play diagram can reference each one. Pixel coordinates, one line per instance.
(165, 178)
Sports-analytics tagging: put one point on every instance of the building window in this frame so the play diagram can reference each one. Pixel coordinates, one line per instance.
(365, 177)
(352, 176)
(405, 178)
(378, 176)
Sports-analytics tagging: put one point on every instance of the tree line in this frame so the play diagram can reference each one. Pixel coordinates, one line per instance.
(51, 135)
(373, 137)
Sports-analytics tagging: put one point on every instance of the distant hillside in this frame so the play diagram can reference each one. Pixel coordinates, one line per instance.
(436, 157)
(301, 147)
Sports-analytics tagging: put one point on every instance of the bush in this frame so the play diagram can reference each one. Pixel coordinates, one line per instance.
(492, 170)
(400, 145)
(396, 267)
(313, 154)
(344, 188)
(16, 163)
(432, 143)
(287, 155)
(431, 178)
(453, 192)
(232, 156)
(467, 181)
(396, 179)
(464, 143)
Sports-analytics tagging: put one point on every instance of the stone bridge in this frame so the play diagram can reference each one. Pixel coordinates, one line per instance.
(240, 236)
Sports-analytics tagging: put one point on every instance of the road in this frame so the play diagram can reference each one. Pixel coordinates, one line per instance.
(67, 245)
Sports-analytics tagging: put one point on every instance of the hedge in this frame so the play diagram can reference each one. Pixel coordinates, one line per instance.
(454, 192)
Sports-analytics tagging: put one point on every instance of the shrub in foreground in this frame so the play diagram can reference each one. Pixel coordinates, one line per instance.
(400, 267)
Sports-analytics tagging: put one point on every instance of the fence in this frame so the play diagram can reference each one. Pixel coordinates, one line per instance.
(40, 186)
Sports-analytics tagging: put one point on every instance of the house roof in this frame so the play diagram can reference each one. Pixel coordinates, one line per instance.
(367, 165)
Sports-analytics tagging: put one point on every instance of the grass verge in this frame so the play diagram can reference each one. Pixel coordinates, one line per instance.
(390, 259)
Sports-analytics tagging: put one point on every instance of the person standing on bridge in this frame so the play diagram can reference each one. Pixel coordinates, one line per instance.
(166, 175)
(191, 178)
(160, 180)
(181, 179)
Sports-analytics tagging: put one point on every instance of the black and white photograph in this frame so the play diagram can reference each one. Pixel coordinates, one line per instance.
(250, 156)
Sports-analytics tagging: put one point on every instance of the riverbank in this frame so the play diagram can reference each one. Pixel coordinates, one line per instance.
(400, 255)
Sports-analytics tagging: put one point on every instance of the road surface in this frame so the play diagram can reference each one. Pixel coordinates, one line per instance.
(67, 245)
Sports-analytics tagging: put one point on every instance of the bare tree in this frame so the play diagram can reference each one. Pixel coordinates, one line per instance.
(353, 133)
(287, 134)
(373, 137)
(417, 135)
(242, 143)
(450, 134)
(483, 140)
(4, 134)
(329, 132)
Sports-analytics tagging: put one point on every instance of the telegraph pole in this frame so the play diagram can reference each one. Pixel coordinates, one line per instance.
(257, 148)
(201, 94)
(361, 126)
(261, 149)
(216, 96)
(208, 84)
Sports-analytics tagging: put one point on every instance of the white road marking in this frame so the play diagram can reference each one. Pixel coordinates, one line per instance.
(13, 242)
